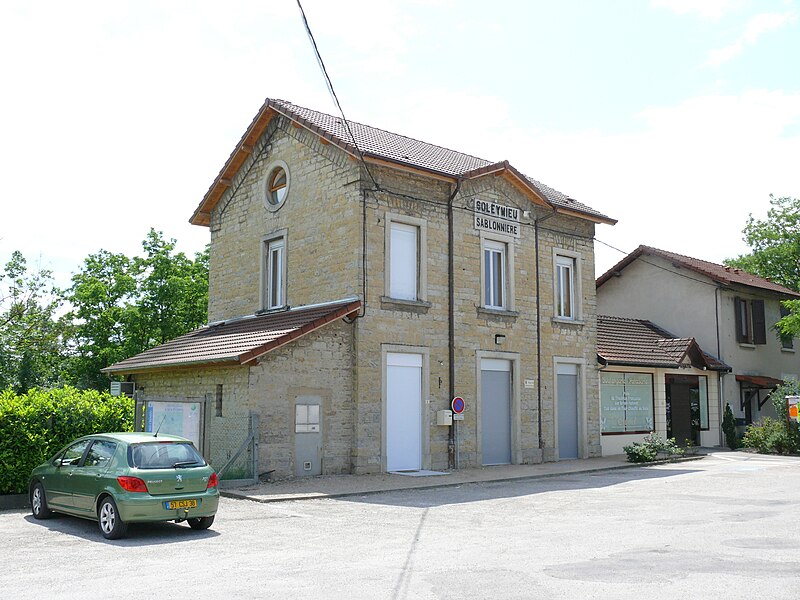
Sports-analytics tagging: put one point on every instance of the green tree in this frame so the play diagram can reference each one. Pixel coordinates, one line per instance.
(123, 306)
(775, 255)
(31, 342)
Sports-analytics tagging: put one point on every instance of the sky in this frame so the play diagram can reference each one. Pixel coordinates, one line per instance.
(678, 118)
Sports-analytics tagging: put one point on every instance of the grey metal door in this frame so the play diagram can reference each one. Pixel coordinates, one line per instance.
(496, 411)
(308, 435)
(567, 411)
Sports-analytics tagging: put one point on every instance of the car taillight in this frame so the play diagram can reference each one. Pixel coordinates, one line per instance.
(213, 481)
(132, 484)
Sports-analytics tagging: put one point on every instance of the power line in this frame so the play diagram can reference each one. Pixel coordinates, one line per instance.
(333, 93)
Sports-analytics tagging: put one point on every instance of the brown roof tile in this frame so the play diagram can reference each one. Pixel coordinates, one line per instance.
(377, 143)
(238, 341)
(637, 342)
(718, 273)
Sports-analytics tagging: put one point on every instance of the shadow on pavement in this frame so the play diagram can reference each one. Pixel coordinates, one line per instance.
(139, 534)
(509, 488)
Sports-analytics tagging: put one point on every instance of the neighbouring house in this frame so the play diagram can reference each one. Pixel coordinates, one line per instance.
(728, 312)
(652, 380)
(359, 281)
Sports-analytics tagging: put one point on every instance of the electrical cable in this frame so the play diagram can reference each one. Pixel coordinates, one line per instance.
(333, 93)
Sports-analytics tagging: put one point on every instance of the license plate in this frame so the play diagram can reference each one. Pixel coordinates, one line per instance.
(173, 504)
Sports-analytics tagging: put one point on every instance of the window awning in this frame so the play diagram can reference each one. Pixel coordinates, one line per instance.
(759, 381)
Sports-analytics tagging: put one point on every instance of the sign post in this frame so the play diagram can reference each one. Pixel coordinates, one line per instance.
(793, 408)
(457, 405)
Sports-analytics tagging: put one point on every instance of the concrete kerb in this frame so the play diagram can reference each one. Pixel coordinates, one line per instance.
(265, 498)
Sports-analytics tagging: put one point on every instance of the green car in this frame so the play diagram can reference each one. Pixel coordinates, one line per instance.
(121, 478)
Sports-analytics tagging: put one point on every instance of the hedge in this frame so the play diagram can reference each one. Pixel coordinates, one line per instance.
(34, 426)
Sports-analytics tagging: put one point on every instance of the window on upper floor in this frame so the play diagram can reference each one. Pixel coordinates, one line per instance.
(787, 341)
(406, 266)
(751, 326)
(567, 285)
(273, 272)
(276, 186)
(494, 274)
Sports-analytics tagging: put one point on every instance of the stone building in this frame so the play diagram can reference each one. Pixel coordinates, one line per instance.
(359, 280)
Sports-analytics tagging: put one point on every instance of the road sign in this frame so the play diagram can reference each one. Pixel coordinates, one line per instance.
(457, 405)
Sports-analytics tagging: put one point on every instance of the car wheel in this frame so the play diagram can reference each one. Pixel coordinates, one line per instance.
(201, 522)
(39, 503)
(111, 525)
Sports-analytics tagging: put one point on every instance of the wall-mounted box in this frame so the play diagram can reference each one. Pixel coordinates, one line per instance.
(444, 417)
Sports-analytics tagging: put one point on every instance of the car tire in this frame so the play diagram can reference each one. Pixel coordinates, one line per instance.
(201, 523)
(111, 525)
(39, 506)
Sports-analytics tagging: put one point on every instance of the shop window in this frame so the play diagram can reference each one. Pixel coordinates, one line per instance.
(626, 402)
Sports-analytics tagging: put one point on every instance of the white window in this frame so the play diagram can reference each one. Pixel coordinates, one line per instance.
(565, 287)
(404, 251)
(273, 273)
(494, 274)
(405, 265)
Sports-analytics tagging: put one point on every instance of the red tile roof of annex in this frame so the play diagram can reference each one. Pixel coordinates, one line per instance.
(638, 342)
(237, 341)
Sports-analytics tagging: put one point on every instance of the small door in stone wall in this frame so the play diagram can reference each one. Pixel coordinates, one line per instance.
(308, 435)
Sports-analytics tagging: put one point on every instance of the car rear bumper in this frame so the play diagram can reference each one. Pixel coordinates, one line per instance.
(144, 507)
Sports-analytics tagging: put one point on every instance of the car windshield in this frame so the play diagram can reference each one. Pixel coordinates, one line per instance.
(164, 455)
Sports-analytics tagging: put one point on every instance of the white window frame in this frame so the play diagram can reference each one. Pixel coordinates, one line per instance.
(563, 260)
(505, 246)
(421, 226)
(270, 279)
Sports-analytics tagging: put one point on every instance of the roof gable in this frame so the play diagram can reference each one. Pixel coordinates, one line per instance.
(717, 273)
(237, 341)
(378, 145)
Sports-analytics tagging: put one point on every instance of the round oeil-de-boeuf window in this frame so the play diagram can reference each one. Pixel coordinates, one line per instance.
(277, 187)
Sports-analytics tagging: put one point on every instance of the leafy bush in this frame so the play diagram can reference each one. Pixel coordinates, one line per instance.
(776, 436)
(771, 436)
(34, 426)
(648, 449)
(729, 428)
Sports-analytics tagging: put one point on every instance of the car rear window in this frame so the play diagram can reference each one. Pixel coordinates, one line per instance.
(164, 455)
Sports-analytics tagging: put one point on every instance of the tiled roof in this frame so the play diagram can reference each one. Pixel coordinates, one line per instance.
(238, 341)
(637, 342)
(375, 143)
(718, 273)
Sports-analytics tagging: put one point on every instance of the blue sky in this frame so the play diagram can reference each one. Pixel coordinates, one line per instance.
(676, 117)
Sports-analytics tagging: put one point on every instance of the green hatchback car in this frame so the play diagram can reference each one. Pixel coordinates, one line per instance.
(121, 478)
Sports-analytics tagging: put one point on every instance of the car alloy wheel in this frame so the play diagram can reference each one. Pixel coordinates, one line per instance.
(39, 503)
(111, 526)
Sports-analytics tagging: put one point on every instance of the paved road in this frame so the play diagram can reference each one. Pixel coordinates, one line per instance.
(725, 527)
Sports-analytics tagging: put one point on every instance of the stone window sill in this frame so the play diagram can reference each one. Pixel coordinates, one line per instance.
(497, 314)
(416, 306)
(788, 350)
(747, 346)
(563, 321)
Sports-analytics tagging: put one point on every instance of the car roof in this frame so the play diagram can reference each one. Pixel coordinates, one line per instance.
(138, 437)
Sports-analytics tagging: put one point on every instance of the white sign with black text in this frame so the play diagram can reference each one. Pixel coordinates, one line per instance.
(496, 218)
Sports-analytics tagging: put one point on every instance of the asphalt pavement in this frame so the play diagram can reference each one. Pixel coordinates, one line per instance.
(336, 486)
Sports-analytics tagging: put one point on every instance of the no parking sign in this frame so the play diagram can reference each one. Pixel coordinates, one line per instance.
(458, 406)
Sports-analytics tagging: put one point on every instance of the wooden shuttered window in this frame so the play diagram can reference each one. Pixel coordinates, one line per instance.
(742, 330)
(751, 323)
(759, 322)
